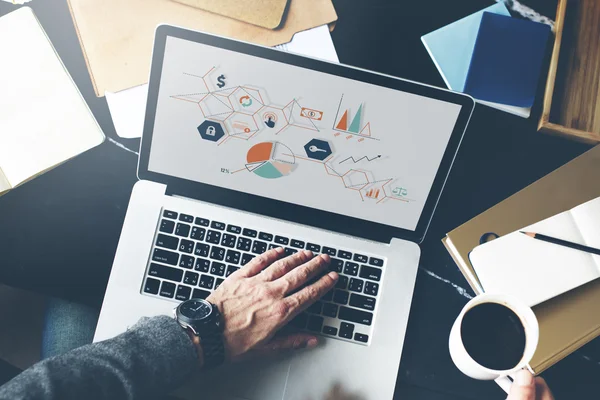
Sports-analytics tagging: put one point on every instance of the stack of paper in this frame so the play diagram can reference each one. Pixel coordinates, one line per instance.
(491, 56)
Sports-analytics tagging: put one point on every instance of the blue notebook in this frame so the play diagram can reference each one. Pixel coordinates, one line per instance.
(507, 59)
(451, 46)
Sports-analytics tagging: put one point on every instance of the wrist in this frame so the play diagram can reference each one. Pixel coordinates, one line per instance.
(196, 342)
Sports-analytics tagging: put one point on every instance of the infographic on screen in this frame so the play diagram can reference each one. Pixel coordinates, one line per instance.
(297, 135)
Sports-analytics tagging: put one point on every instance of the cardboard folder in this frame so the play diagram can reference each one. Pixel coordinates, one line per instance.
(266, 13)
(116, 36)
(570, 320)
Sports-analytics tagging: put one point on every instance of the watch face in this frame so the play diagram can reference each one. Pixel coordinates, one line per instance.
(195, 309)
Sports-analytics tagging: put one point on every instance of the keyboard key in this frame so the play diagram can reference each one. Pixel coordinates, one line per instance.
(346, 330)
(244, 244)
(328, 296)
(186, 218)
(259, 247)
(218, 283)
(351, 268)
(186, 246)
(202, 265)
(371, 288)
(330, 251)
(273, 246)
(265, 236)
(217, 268)
(353, 315)
(330, 310)
(213, 237)
(377, 262)
(315, 308)
(315, 323)
(330, 330)
(167, 226)
(182, 229)
(359, 337)
(282, 240)
(151, 286)
(342, 282)
(234, 229)
(344, 254)
(370, 273)
(183, 293)
(164, 272)
(356, 285)
(232, 257)
(360, 258)
(217, 253)
(169, 214)
(230, 270)
(340, 297)
(289, 251)
(190, 278)
(300, 321)
(201, 221)
(228, 240)
(315, 248)
(165, 256)
(201, 249)
(200, 294)
(186, 261)
(364, 302)
(246, 258)
(206, 281)
(217, 225)
(168, 242)
(198, 233)
(299, 244)
(249, 232)
(336, 265)
(167, 289)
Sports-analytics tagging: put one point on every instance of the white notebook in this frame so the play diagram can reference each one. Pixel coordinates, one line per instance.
(535, 271)
(44, 120)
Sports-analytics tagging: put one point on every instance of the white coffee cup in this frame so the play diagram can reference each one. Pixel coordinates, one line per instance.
(470, 367)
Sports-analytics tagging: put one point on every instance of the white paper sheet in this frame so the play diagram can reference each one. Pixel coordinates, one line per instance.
(128, 106)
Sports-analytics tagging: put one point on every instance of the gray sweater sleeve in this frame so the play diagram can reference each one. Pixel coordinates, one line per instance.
(152, 358)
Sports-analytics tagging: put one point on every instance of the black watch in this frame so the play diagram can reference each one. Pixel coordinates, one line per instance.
(203, 319)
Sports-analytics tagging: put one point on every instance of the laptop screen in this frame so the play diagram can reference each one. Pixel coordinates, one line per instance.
(297, 135)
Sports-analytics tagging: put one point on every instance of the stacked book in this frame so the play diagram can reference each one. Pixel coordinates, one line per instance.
(491, 56)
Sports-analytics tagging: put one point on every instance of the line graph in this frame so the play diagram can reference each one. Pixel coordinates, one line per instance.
(360, 159)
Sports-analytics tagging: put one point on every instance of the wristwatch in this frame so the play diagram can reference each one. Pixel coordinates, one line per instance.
(203, 319)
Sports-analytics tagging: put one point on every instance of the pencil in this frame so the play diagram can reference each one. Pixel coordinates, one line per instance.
(561, 242)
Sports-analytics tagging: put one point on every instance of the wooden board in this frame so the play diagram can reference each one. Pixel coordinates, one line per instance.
(572, 99)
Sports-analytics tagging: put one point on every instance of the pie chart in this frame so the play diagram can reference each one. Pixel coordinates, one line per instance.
(270, 160)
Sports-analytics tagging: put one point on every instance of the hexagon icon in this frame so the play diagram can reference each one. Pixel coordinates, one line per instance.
(318, 149)
(271, 119)
(355, 179)
(241, 125)
(215, 107)
(246, 100)
(211, 131)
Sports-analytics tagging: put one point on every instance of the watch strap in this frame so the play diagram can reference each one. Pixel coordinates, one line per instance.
(213, 349)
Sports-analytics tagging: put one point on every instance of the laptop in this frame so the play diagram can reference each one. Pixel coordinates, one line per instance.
(246, 148)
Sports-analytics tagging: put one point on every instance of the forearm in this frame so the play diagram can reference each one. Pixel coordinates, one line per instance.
(152, 358)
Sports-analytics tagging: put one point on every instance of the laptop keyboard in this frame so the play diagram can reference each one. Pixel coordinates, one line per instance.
(192, 256)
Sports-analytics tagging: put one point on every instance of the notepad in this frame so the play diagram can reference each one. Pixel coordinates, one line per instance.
(535, 271)
(451, 49)
(507, 60)
(44, 120)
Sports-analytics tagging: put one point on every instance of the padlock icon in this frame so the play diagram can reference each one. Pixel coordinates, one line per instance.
(211, 131)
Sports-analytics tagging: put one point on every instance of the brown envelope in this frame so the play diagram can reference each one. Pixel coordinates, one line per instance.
(117, 35)
(265, 13)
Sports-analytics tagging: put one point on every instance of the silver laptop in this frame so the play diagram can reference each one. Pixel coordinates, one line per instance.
(246, 148)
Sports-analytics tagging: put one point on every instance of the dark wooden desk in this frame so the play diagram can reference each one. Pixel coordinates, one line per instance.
(58, 233)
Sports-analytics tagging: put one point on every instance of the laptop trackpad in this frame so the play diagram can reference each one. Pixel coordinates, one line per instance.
(256, 380)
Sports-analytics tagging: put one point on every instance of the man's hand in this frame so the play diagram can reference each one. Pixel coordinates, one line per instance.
(264, 295)
(525, 387)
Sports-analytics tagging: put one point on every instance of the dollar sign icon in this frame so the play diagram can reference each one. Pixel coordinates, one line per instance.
(221, 80)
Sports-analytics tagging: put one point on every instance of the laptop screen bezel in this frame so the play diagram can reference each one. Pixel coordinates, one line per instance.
(280, 209)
